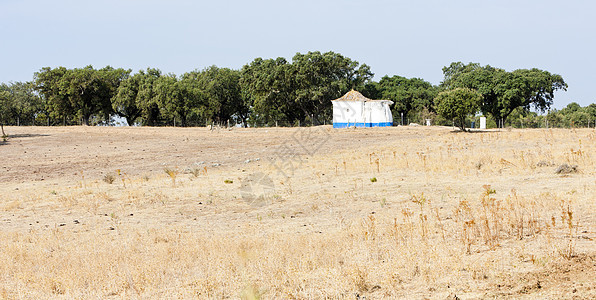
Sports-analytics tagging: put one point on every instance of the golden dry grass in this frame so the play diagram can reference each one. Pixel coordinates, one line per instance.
(477, 215)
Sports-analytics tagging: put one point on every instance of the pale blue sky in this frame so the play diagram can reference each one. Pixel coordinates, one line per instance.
(407, 38)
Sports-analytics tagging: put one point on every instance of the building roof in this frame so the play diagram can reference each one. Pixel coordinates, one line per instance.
(356, 96)
(352, 96)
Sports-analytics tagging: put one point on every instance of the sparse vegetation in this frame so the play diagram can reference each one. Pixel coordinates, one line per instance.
(109, 178)
(196, 172)
(434, 224)
(173, 173)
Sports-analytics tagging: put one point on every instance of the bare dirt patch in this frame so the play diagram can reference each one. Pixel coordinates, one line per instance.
(36, 153)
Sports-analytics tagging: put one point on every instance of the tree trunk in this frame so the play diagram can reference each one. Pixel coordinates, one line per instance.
(462, 124)
(129, 121)
(2, 126)
(183, 121)
(504, 117)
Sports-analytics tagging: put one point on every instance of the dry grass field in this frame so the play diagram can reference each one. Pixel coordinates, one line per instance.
(288, 213)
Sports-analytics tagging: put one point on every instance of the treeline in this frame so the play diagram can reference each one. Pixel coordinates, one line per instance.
(495, 92)
(573, 115)
(264, 92)
(269, 92)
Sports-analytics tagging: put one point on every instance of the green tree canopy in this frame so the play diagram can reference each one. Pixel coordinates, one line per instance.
(301, 90)
(80, 93)
(504, 91)
(24, 102)
(49, 84)
(270, 87)
(124, 101)
(219, 93)
(135, 99)
(5, 106)
(457, 104)
(321, 77)
(175, 98)
(409, 95)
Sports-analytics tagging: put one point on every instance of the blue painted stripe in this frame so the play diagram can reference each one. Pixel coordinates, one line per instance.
(345, 125)
(382, 124)
(349, 124)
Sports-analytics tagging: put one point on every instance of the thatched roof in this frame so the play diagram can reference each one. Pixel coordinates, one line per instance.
(356, 96)
(352, 96)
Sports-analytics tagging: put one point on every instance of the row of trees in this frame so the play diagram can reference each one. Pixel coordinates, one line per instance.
(18, 101)
(573, 115)
(89, 96)
(495, 92)
(267, 92)
(151, 98)
(264, 92)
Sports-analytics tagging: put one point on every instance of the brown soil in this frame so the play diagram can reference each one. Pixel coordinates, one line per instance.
(42, 153)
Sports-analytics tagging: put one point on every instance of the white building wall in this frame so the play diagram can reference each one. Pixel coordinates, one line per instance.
(361, 114)
(348, 113)
(378, 113)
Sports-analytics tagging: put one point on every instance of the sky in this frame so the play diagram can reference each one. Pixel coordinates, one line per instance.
(406, 38)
